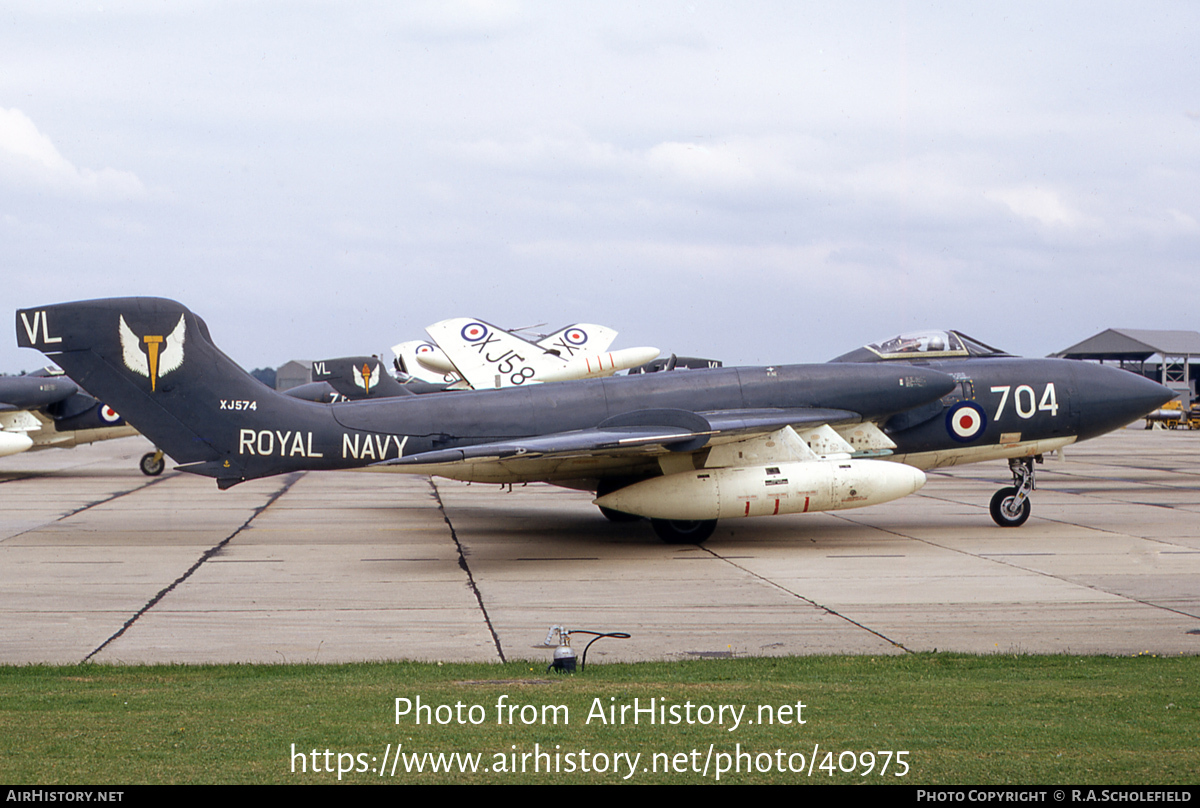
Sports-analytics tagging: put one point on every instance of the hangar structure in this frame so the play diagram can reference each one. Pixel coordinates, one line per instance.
(293, 374)
(1131, 347)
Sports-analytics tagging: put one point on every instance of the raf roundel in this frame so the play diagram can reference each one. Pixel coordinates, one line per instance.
(577, 336)
(966, 421)
(108, 415)
(425, 348)
(473, 332)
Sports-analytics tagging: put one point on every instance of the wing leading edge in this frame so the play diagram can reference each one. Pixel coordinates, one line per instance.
(644, 432)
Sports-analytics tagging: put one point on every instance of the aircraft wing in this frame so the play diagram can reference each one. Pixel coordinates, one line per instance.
(760, 421)
(488, 356)
(644, 432)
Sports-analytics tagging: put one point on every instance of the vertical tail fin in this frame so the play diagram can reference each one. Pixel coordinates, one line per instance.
(358, 377)
(580, 338)
(154, 362)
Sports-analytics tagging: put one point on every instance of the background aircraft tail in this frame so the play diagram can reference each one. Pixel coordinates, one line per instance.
(409, 356)
(357, 377)
(580, 338)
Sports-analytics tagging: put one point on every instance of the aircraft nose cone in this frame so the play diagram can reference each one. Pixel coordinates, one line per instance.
(1113, 398)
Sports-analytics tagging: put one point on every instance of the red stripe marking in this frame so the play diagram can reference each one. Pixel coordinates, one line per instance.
(776, 508)
(747, 507)
(805, 505)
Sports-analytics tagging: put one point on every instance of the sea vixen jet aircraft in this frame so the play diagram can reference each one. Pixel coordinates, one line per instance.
(425, 360)
(490, 357)
(683, 449)
(46, 410)
(351, 378)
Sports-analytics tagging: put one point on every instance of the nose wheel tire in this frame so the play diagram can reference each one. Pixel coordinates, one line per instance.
(674, 531)
(1001, 503)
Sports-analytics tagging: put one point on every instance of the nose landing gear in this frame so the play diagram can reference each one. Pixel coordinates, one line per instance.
(1010, 506)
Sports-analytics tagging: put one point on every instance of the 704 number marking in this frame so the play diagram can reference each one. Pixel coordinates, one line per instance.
(1024, 398)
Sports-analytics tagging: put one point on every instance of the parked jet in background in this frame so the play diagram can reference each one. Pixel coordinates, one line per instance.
(684, 449)
(422, 359)
(674, 362)
(351, 378)
(46, 410)
(425, 360)
(490, 357)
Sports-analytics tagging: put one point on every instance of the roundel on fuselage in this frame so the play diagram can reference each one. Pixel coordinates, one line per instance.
(108, 415)
(966, 421)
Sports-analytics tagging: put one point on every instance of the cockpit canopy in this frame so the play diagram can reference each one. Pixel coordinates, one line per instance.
(921, 345)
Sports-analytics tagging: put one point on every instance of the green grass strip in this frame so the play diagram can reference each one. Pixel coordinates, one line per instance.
(959, 719)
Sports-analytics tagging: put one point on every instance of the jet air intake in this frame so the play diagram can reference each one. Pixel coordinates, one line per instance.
(803, 487)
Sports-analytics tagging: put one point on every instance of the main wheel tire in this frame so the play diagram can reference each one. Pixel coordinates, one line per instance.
(999, 499)
(678, 531)
(152, 464)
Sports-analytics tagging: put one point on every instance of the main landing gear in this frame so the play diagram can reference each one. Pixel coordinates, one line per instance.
(152, 463)
(678, 531)
(1010, 506)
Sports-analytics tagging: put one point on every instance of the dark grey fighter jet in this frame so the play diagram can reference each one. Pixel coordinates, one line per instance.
(353, 378)
(46, 410)
(683, 449)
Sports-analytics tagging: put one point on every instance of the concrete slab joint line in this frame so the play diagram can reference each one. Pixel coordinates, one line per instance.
(111, 498)
(1029, 569)
(288, 481)
(462, 564)
(798, 596)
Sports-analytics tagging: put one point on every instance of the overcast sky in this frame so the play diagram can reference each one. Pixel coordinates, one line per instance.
(757, 182)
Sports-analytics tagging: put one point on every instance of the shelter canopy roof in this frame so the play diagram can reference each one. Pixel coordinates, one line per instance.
(1137, 344)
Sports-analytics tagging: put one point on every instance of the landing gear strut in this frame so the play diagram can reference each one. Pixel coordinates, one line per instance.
(152, 463)
(1010, 506)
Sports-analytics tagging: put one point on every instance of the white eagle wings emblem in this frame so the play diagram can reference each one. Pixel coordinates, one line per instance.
(365, 378)
(162, 354)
